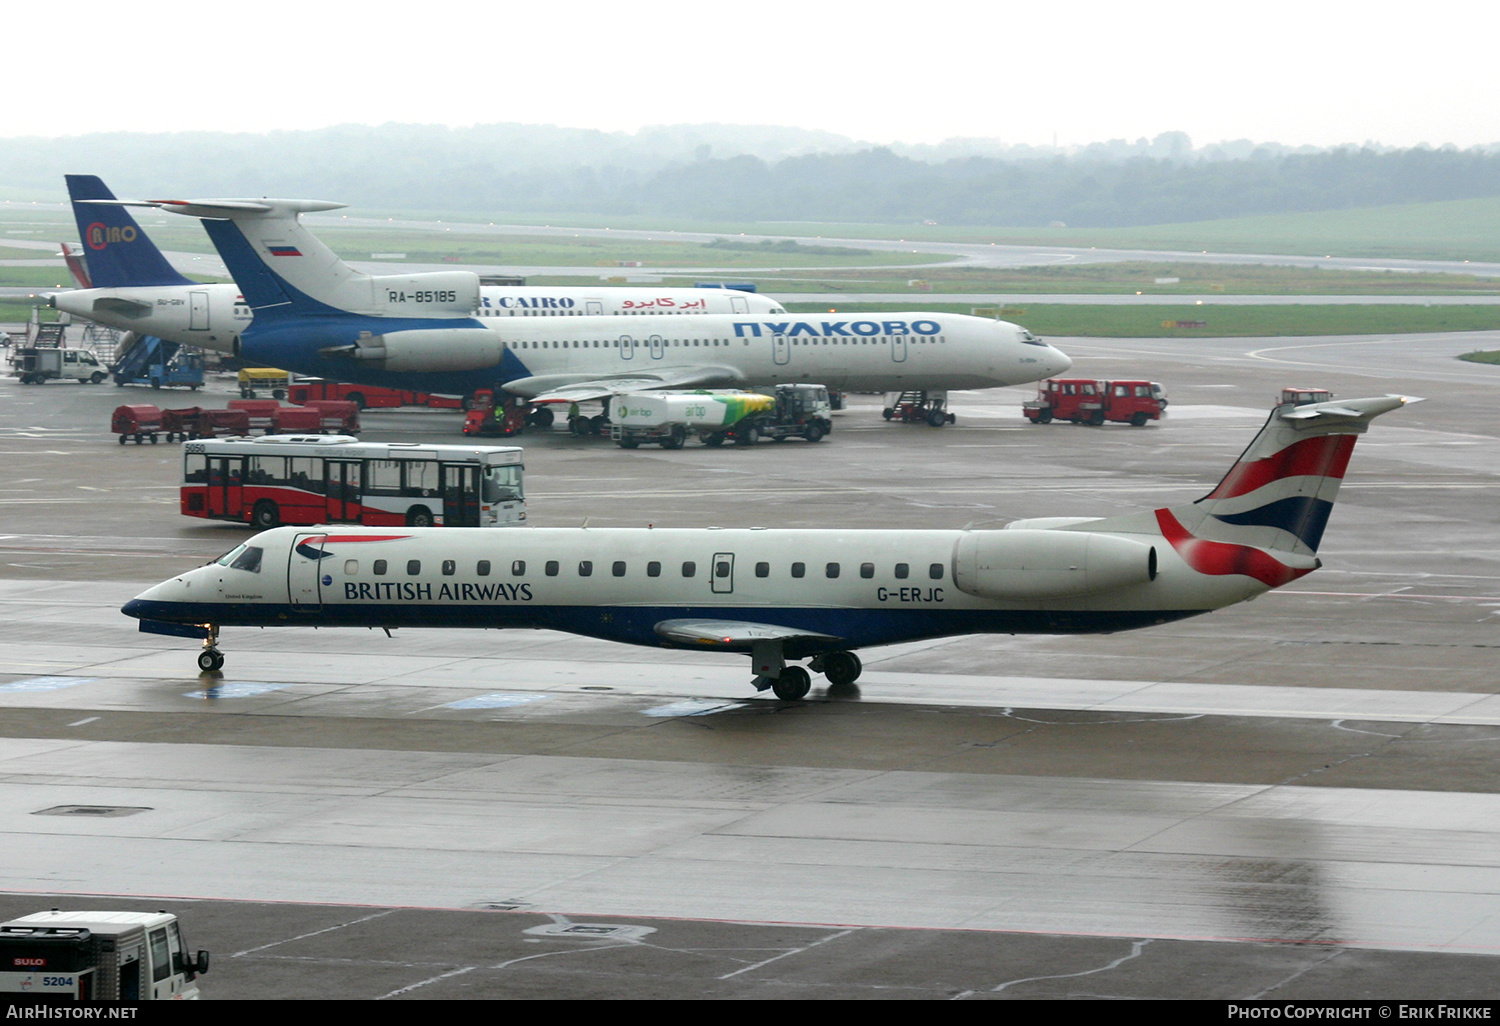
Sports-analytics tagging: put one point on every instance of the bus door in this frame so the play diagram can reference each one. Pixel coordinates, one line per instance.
(723, 573)
(460, 486)
(343, 485)
(225, 491)
(304, 571)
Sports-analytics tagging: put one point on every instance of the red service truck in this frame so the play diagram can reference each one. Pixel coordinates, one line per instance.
(1089, 401)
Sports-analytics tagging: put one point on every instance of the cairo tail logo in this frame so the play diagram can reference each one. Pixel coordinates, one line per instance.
(101, 235)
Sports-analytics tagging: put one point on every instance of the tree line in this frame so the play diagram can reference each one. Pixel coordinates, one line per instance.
(692, 172)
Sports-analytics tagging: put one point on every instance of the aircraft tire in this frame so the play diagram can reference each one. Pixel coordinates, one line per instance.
(793, 684)
(210, 659)
(842, 668)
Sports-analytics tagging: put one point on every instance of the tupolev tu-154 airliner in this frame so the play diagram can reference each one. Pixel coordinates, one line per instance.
(787, 595)
(316, 315)
(127, 283)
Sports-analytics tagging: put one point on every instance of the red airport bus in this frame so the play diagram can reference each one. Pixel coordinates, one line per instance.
(336, 479)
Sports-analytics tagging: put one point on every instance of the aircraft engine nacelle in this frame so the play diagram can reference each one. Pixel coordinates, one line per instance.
(432, 293)
(1049, 564)
(431, 349)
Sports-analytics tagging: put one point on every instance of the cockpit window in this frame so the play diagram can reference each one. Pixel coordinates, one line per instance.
(231, 555)
(1030, 339)
(248, 559)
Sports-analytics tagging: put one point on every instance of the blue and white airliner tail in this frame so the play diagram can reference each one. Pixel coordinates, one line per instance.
(118, 252)
(785, 595)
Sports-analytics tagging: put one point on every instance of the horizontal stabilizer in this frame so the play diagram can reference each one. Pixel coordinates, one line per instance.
(1357, 409)
(734, 635)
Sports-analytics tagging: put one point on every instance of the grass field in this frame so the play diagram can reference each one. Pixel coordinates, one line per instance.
(1219, 322)
(1490, 356)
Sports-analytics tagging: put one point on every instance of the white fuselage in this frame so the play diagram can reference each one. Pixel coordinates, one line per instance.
(861, 587)
(213, 316)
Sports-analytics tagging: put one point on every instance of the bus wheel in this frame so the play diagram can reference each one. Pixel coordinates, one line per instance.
(357, 398)
(419, 516)
(266, 515)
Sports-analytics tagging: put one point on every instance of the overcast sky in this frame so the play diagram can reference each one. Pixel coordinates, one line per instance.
(1295, 73)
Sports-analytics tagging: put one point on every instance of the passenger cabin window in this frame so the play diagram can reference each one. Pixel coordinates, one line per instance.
(551, 568)
(902, 571)
(618, 569)
(482, 568)
(762, 569)
(831, 570)
(867, 570)
(721, 568)
(799, 569)
(585, 568)
(379, 568)
(351, 567)
(935, 571)
(450, 567)
(518, 568)
(653, 569)
(413, 567)
(689, 569)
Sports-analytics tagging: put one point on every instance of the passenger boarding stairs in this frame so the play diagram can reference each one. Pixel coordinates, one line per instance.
(141, 353)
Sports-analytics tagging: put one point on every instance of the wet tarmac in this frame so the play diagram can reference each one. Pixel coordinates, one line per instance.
(1292, 798)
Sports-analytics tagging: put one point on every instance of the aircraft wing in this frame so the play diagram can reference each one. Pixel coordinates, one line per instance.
(549, 389)
(736, 635)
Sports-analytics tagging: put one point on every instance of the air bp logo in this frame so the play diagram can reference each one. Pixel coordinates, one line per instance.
(101, 235)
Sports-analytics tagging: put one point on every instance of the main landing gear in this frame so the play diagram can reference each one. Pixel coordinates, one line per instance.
(792, 683)
(211, 660)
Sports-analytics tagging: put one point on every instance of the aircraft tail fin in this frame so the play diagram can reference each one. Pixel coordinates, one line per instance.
(119, 253)
(282, 269)
(77, 267)
(1266, 517)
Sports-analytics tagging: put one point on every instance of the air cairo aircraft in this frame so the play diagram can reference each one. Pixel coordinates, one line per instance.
(316, 315)
(128, 284)
(780, 595)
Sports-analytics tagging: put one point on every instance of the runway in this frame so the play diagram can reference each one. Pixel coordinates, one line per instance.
(1294, 797)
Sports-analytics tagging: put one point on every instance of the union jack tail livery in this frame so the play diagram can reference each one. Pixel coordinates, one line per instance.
(1266, 517)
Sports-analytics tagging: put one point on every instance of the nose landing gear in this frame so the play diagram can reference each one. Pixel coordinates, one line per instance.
(211, 660)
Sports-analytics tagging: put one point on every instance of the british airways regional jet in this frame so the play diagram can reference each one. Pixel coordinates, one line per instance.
(786, 595)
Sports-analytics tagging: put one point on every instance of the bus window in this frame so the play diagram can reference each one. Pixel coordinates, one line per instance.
(502, 484)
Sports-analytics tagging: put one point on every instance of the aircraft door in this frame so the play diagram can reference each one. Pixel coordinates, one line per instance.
(898, 348)
(658, 347)
(304, 572)
(723, 573)
(627, 347)
(739, 304)
(781, 349)
(460, 487)
(342, 485)
(594, 307)
(198, 311)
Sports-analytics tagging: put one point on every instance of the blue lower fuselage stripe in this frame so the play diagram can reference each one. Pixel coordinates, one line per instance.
(635, 625)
